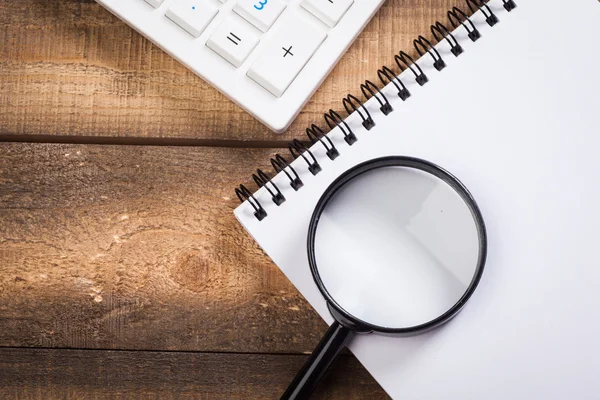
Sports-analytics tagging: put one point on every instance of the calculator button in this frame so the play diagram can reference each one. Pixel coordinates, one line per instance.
(233, 42)
(260, 13)
(192, 15)
(285, 56)
(328, 11)
(155, 3)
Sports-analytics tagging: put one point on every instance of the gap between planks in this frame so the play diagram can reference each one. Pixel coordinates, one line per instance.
(146, 141)
(345, 352)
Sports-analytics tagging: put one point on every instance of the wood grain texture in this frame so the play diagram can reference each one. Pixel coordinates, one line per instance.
(81, 375)
(70, 69)
(136, 247)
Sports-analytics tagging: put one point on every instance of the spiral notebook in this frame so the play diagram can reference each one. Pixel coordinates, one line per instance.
(513, 110)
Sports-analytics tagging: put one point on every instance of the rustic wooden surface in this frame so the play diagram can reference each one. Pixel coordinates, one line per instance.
(123, 272)
(136, 247)
(93, 374)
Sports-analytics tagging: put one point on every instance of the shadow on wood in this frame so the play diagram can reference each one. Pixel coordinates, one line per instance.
(89, 374)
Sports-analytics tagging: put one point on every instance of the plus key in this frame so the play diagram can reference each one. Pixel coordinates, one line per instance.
(286, 54)
(287, 51)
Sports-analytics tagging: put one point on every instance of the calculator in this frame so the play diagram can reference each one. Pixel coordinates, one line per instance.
(267, 56)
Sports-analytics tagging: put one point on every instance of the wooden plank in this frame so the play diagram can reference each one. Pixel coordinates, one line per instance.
(76, 374)
(136, 247)
(70, 69)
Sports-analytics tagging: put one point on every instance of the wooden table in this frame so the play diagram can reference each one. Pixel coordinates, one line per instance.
(123, 272)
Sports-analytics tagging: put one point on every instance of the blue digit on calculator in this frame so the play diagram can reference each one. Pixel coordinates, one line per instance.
(261, 4)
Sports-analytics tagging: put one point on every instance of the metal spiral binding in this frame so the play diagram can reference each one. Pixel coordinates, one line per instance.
(245, 195)
(386, 107)
(333, 119)
(316, 134)
(348, 103)
(407, 61)
(279, 164)
(404, 61)
(389, 75)
(490, 17)
(440, 29)
(509, 5)
(299, 149)
(262, 180)
(422, 43)
(457, 13)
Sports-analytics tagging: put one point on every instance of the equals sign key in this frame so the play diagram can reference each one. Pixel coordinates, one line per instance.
(233, 41)
(233, 38)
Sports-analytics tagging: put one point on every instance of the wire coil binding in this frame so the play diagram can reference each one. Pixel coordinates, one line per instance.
(404, 61)
(423, 45)
(262, 180)
(316, 134)
(281, 165)
(245, 195)
(490, 17)
(457, 17)
(368, 86)
(299, 149)
(390, 77)
(333, 119)
(440, 32)
(349, 105)
(444, 34)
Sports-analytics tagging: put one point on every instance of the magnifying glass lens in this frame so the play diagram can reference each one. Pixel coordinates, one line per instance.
(396, 247)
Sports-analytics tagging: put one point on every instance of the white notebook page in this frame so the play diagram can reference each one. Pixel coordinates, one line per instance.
(516, 117)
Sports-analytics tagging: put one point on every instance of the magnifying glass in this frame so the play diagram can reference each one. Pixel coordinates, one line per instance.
(396, 245)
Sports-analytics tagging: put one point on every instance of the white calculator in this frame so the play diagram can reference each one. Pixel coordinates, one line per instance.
(268, 56)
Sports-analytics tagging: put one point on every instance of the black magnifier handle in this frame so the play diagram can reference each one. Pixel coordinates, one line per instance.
(321, 358)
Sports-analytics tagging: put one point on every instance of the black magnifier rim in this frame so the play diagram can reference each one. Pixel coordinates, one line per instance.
(408, 162)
